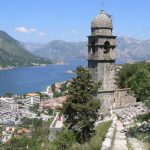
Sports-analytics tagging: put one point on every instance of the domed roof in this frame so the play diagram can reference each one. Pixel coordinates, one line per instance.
(103, 20)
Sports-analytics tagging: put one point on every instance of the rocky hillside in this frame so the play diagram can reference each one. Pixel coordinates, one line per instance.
(13, 53)
(128, 49)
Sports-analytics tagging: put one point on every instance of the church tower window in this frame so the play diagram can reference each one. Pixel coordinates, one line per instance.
(106, 47)
(93, 47)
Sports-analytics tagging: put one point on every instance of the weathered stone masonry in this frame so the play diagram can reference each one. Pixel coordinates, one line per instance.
(101, 63)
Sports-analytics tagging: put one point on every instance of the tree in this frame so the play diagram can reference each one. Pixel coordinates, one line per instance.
(22, 143)
(140, 84)
(81, 109)
(127, 71)
(64, 139)
(50, 111)
(8, 95)
(56, 94)
(35, 122)
(34, 108)
(64, 87)
(53, 87)
(41, 95)
(26, 122)
(24, 95)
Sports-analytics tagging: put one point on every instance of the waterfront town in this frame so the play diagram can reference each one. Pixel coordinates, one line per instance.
(104, 107)
(46, 105)
(13, 109)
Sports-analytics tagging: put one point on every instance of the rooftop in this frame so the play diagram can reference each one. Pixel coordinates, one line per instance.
(32, 94)
(103, 20)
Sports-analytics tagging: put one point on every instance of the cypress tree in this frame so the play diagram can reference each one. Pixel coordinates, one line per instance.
(81, 109)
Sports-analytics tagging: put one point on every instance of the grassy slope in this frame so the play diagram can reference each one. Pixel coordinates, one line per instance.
(96, 141)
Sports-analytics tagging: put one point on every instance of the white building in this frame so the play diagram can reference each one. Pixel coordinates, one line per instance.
(32, 99)
(9, 104)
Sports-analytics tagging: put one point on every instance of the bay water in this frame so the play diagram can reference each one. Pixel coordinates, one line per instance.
(32, 79)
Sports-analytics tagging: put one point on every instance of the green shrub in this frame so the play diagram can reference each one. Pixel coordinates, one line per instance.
(135, 132)
(144, 117)
(64, 139)
(96, 141)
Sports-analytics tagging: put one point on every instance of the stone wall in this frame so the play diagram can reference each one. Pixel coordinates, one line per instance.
(100, 40)
(55, 127)
(106, 100)
(99, 54)
(117, 99)
(123, 98)
(96, 31)
(106, 75)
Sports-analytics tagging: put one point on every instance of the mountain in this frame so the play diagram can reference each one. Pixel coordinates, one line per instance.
(13, 53)
(128, 49)
(61, 50)
(32, 46)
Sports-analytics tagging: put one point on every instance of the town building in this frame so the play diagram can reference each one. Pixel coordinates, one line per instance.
(54, 103)
(8, 104)
(101, 64)
(32, 99)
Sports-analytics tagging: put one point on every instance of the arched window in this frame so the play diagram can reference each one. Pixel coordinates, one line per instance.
(106, 46)
(93, 47)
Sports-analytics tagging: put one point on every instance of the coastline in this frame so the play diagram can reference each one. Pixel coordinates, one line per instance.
(13, 67)
(6, 68)
(26, 79)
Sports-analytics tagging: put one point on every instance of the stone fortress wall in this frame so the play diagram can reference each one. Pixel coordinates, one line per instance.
(119, 98)
(123, 98)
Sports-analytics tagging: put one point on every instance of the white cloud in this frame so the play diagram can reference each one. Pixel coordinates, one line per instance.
(29, 30)
(21, 29)
(25, 30)
(75, 31)
(41, 33)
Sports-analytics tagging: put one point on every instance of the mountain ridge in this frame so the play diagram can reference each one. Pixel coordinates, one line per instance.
(61, 50)
(128, 49)
(13, 53)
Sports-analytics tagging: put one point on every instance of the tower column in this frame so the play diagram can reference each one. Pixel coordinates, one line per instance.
(101, 58)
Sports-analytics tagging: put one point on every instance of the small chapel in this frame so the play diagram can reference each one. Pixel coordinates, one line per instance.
(101, 64)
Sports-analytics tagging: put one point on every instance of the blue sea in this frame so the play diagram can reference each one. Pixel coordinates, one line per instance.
(32, 79)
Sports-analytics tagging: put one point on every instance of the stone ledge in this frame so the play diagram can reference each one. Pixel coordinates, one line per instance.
(107, 143)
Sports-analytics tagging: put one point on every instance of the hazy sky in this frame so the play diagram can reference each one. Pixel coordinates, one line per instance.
(70, 20)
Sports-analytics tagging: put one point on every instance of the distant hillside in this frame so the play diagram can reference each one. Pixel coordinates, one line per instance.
(12, 52)
(32, 46)
(60, 50)
(128, 49)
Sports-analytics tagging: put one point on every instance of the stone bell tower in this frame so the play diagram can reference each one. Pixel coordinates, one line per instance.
(101, 58)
